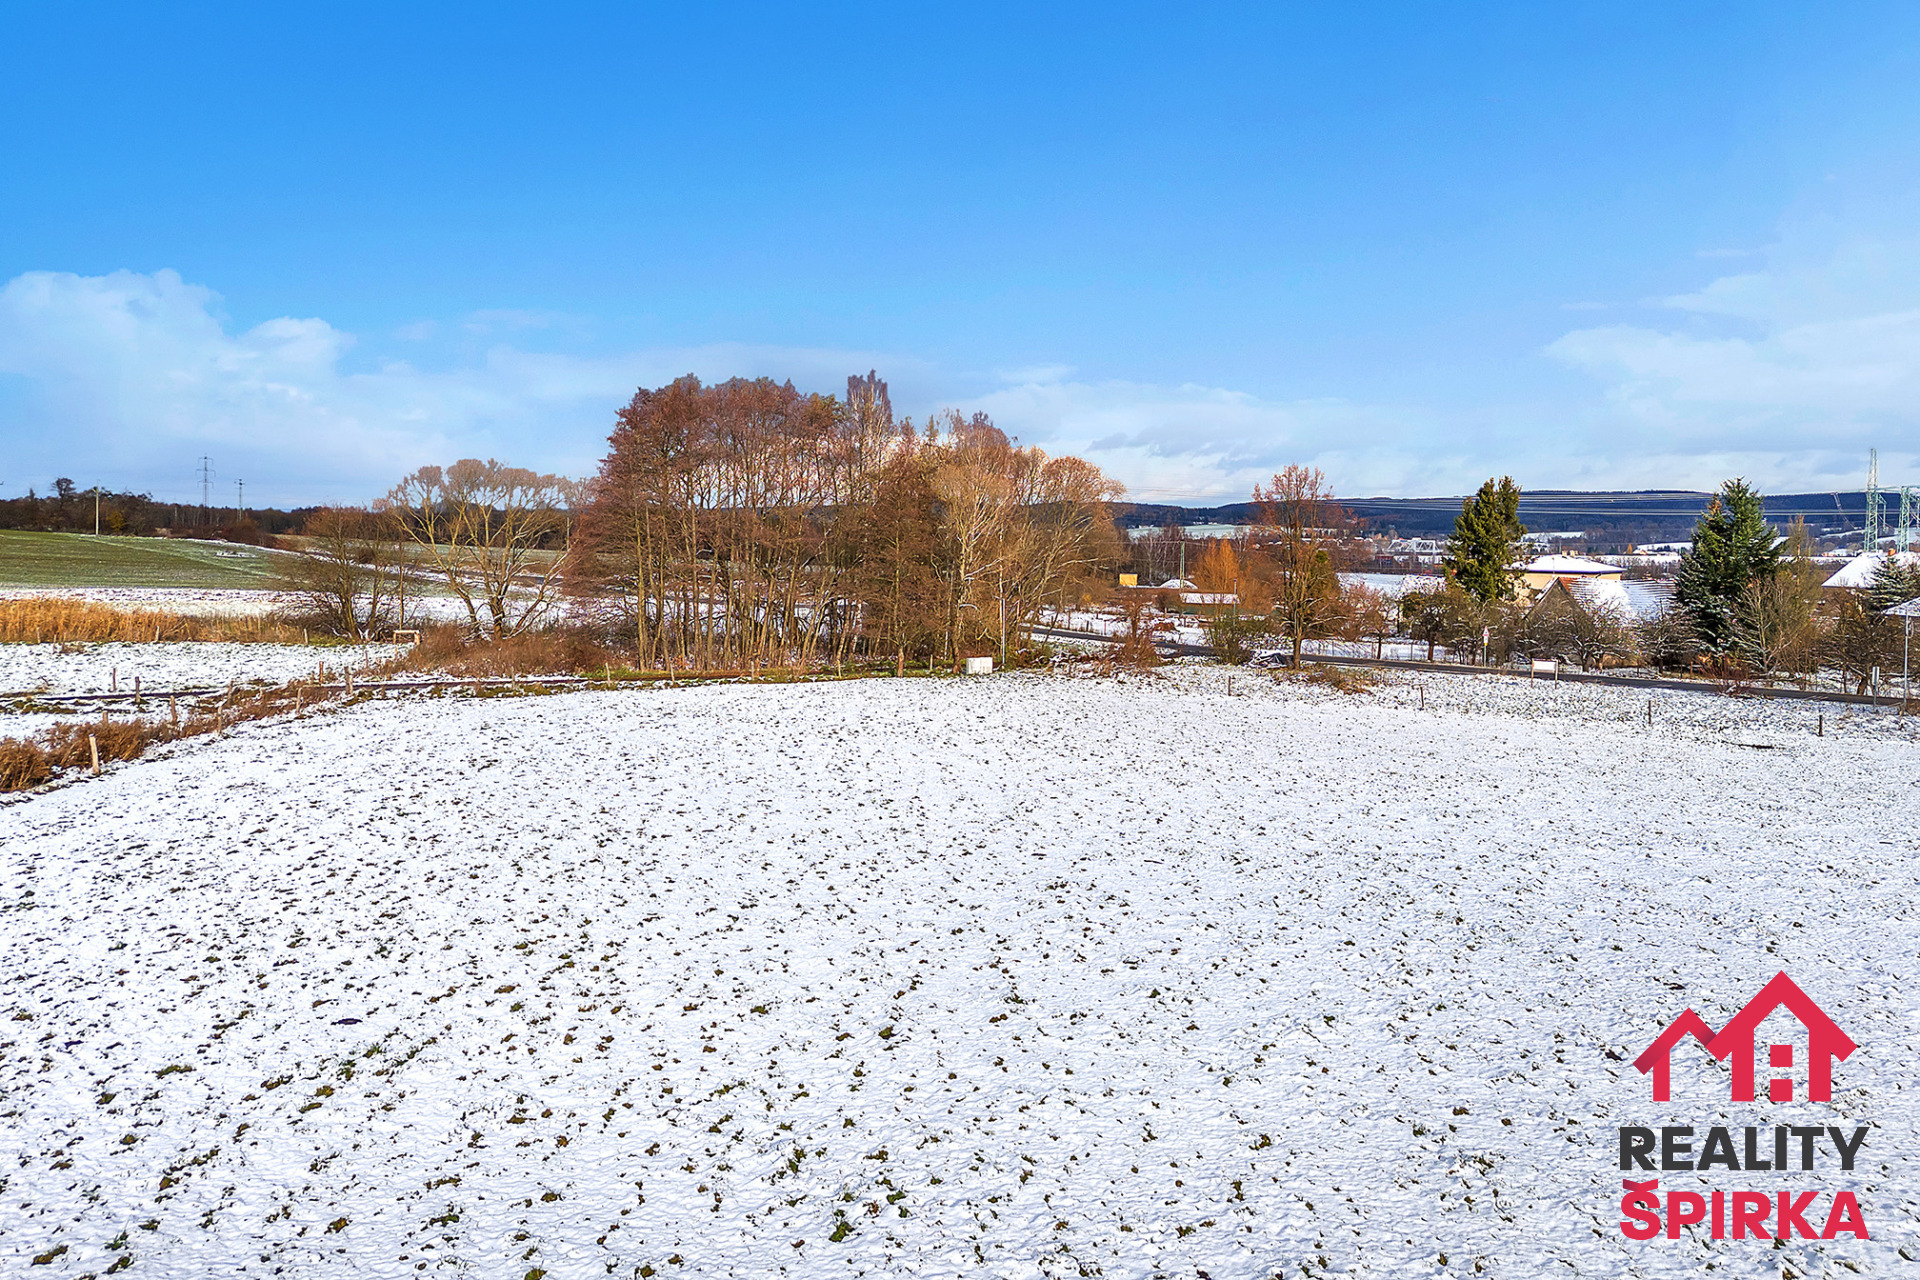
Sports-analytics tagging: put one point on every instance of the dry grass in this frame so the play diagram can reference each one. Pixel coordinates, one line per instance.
(68, 746)
(1344, 679)
(60, 620)
(564, 651)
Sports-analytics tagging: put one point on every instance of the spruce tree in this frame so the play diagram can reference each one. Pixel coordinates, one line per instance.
(1733, 545)
(1895, 581)
(1483, 555)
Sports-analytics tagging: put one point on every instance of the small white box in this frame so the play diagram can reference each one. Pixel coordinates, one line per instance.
(978, 666)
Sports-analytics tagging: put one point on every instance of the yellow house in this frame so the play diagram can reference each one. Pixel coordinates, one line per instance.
(1539, 573)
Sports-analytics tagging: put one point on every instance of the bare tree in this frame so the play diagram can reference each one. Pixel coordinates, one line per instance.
(1594, 633)
(347, 572)
(1369, 615)
(1856, 639)
(497, 534)
(1774, 625)
(1667, 639)
(1304, 528)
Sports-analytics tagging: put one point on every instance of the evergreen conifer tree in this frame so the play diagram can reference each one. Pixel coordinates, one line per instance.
(1733, 545)
(1896, 580)
(1484, 551)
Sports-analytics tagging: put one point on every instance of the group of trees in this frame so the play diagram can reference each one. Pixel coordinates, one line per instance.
(743, 523)
(1748, 599)
(495, 537)
(69, 508)
(746, 522)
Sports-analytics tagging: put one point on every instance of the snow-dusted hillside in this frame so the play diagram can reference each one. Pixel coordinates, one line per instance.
(1018, 976)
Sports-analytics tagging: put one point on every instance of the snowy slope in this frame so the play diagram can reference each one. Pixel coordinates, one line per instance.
(1019, 976)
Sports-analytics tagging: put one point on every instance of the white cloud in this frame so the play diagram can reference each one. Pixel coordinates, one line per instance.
(1787, 374)
(129, 378)
(1200, 444)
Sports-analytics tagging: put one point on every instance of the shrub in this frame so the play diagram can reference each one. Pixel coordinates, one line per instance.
(1343, 679)
(1232, 634)
(23, 764)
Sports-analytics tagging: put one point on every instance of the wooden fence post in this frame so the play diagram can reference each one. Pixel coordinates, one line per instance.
(93, 745)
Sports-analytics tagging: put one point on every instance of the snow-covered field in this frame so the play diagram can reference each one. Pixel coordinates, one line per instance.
(1021, 976)
(92, 668)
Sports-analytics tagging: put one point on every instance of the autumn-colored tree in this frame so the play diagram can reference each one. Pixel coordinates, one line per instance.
(894, 550)
(1217, 569)
(346, 572)
(1304, 530)
(1367, 614)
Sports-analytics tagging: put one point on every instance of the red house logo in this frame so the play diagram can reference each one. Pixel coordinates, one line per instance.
(1826, 1044)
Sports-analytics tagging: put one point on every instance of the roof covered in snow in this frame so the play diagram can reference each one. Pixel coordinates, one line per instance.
(1857, 575)
(1393, 585)
(1560, 566)
(1633, 601)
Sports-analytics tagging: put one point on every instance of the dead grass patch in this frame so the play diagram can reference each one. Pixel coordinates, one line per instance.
(1343, 679)
(68, 746)
(61, 620)
(563, 651)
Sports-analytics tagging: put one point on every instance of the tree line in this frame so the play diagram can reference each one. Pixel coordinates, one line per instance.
(69, 508)
(743, 523)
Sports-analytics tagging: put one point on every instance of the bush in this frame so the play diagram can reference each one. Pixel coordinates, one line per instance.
(23, 764)
(1343, 679)
(560, 651)
(1232, 635)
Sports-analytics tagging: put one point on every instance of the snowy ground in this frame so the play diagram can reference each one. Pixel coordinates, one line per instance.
(92, 668)
(1022, 976)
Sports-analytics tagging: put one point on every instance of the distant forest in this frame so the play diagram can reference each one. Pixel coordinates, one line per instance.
(70, 509)
(1608, 518)
(1612, 520)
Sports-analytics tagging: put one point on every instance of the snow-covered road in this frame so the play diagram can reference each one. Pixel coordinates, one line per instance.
(1019, 976)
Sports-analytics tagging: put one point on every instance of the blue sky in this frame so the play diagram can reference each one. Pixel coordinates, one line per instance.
(1414, 244)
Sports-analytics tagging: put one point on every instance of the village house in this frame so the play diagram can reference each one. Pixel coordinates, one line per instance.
(1542, 572)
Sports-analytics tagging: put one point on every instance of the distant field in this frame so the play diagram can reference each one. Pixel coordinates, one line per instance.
(82, 560)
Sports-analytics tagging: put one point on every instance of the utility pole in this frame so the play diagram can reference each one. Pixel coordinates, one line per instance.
(96, 511)
(240, 496)
(1876, 506)
(206, 489)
